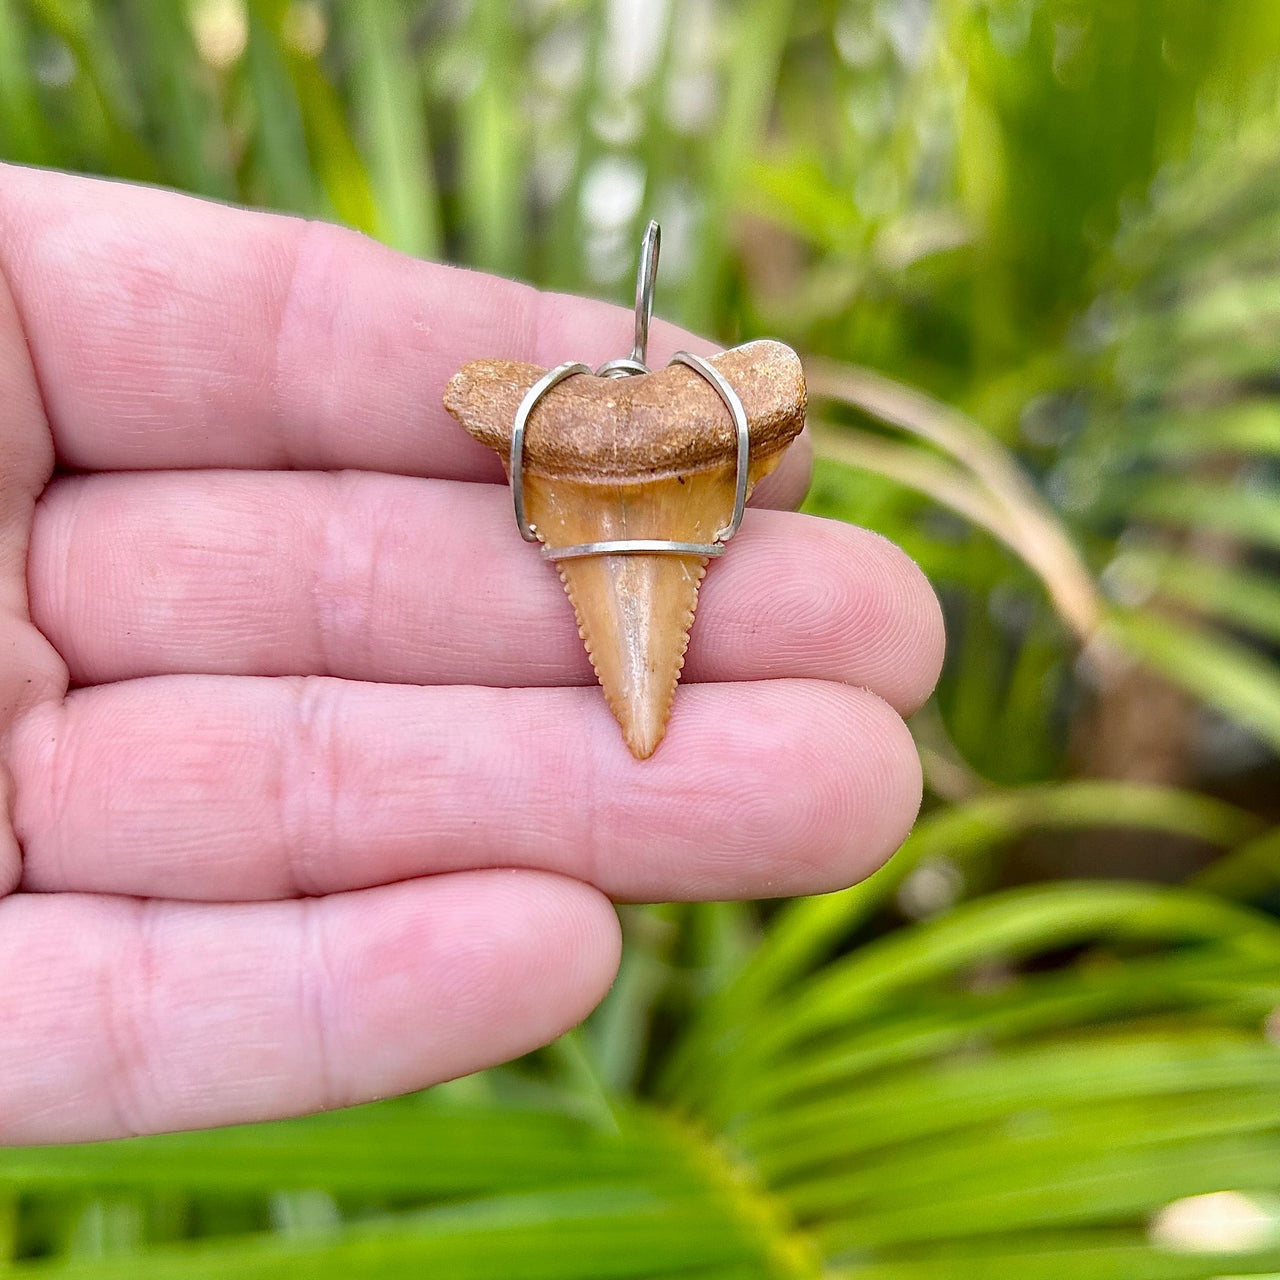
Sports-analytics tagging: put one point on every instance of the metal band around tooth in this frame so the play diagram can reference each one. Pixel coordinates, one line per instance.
(737, 411)
(527, 405)
(632, 547)
(627, 366)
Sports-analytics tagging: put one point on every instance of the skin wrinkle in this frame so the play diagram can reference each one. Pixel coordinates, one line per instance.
(585, 804)
(316, 983)
(316, 321)
(530, 327)
(309, 748)
(415, 980)
(345, 597)
(588, 813)
(299, 241)
(222, 380)
(312, 274)
(369, 617)
(43, 809)
(329, 535)
(45, 458)
(126, 985)
(36, 671)
(64, 569)
(412, 803)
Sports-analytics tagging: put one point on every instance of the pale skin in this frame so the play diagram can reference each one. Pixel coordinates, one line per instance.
(311, 797)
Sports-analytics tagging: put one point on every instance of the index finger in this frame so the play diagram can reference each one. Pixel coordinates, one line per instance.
(170, 332)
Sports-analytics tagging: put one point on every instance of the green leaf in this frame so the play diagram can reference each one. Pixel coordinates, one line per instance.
(493, 132)
(1008, 927)
(106, 111)
(1249, 514)
(1209, 985)
(1245, 426)
(809, 928)
(391, 107)
(1236, 680)
(1235, 596)
(1057, 1255)
(758, 38)
(1248, 873)
(182, 107)
(393, 1149)
(998, 1184)
(601, 1232)
(24, 133)
(283, 175)
(954, 1093)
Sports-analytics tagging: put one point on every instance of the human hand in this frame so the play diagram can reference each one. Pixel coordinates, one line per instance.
(333, 809)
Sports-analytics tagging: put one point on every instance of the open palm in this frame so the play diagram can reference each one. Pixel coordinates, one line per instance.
(331, 809)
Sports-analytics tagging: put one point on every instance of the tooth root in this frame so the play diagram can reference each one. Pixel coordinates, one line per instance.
(634, 611)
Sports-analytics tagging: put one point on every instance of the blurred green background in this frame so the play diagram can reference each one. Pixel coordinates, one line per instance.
(1031, 252)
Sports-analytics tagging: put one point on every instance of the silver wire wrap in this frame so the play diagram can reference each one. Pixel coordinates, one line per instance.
(531, 398)
(623, 367)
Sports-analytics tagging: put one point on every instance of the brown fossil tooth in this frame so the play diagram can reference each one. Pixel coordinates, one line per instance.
(649, 456)
(634, 611)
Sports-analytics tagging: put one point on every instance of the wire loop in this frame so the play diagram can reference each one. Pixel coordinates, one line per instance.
(531, 397)
(646, 280)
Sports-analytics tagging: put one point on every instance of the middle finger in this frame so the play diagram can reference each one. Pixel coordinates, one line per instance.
(395, 579)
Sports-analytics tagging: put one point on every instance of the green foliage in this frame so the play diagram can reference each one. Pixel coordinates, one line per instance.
(1030, 247)
(929, 1092)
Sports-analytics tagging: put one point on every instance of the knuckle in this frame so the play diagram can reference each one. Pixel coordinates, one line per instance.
(310, 780)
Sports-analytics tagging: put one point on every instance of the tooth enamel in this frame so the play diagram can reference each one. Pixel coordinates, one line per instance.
(634, 611)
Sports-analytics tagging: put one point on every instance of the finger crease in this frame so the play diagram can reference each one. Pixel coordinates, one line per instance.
(315, 986)
(126, 998)
(308, 771)
(344, 583)
(285, 320)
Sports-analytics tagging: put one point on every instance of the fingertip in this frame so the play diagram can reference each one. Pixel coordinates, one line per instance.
(585, 928)
(773, 789)
(858, 786)
(838, 602)
(912, 623)
(893, 790)
(474, 968)
(876, 590)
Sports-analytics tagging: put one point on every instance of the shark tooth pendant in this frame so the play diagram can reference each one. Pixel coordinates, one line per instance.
(633, 480)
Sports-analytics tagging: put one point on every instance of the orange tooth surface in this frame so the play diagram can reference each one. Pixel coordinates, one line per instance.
(634, 611)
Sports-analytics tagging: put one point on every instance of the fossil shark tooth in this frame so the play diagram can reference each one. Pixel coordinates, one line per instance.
(648, 456)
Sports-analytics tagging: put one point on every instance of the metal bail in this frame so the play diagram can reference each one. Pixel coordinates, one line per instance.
(625, 366)
(646, 280)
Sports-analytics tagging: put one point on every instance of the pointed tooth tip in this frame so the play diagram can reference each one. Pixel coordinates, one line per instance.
(644, 725)
(643, 715)
(642, 748)
(642, 711)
